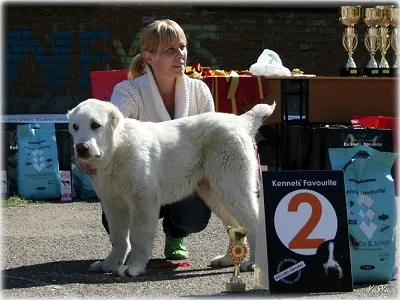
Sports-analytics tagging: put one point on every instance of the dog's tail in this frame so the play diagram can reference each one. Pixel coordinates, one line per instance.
(257, 115)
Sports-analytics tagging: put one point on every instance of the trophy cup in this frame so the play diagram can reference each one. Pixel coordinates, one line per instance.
(394, 37)
(238, 252)
(372, 17)
(384, 39)
(350, 15)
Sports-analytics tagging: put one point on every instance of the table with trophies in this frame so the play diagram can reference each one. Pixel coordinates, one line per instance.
(360, 91)
(378, 38)
(370, 90)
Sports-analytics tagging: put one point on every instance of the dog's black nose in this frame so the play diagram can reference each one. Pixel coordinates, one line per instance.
(82, 149)
(334, 273)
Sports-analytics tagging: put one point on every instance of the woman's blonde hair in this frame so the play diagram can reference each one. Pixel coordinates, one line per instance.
(156, 36)
(136, 68)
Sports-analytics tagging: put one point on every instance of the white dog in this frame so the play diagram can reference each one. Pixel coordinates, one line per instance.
(142, 165)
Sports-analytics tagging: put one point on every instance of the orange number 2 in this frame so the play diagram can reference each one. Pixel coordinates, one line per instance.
(301, 240)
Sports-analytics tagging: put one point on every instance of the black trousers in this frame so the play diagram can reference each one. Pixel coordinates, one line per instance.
(190, 215)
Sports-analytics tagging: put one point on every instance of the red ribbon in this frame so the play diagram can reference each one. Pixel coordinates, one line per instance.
(172, 265)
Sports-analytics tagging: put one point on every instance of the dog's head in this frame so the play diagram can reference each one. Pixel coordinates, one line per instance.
(92, 125)
(327, 259)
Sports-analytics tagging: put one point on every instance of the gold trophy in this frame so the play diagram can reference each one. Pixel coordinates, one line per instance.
(350, 15)
(238, 252)
(384, 38)
(394, 37)
(372, 17)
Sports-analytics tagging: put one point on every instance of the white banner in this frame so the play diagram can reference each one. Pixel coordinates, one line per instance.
(34, 118)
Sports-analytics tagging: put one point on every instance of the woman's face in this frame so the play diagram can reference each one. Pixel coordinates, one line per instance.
(169, 61)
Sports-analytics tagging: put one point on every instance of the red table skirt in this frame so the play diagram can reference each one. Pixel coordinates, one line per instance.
(228, 92)
(231, 92)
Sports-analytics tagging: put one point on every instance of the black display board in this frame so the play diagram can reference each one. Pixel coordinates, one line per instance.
(307, 233)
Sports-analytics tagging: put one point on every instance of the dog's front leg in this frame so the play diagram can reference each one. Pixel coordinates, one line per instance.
(143, 224)
(118, 222)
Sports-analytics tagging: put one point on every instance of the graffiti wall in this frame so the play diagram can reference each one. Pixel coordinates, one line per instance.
(50, 50)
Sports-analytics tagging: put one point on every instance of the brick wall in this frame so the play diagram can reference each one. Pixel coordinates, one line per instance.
(50, 50)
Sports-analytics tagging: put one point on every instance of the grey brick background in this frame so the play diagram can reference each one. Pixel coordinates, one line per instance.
(51, 49)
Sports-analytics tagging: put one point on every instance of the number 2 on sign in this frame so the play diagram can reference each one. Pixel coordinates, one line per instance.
(303, 220)
(301, 240)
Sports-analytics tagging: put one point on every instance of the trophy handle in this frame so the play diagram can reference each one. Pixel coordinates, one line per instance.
(350, 40)
(394, 41)
(384, 39)
(371, 41)
(384, 44)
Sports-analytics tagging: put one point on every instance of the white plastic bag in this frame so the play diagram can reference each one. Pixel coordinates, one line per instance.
(269, 64)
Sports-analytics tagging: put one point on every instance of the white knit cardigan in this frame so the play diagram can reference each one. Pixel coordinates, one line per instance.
(140, 98)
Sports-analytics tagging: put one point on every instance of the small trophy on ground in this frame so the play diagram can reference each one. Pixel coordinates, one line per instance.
(372, 17)
(394, 37)
(238, 252)
(384, 39)
(350, 15)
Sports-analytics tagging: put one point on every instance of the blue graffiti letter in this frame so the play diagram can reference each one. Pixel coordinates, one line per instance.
(53, 67)
(86, 39)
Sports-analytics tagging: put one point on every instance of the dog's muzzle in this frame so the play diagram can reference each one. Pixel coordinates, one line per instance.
(334, 272)
(82, 150)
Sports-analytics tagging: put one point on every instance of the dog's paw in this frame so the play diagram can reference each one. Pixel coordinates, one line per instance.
(96, 267)
(247, 266)
(221, 261)
(103, 267)
(125, 270)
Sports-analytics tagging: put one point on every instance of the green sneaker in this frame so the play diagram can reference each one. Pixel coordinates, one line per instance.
(175, 248)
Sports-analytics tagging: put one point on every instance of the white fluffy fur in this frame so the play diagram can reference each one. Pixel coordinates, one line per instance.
(142, 165)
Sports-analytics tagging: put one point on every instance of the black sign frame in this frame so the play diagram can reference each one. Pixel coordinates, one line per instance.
(287, 193)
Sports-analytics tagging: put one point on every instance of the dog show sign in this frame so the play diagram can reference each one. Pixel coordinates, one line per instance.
(307, 233)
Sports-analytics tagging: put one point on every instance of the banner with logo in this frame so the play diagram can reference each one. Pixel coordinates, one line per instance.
(307, 233)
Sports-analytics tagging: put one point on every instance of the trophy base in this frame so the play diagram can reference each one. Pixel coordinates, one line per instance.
(235, 287)
(348, 72)
(387, 72)
(372, 72)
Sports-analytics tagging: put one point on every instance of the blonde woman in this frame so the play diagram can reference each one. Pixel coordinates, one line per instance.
(158, 90)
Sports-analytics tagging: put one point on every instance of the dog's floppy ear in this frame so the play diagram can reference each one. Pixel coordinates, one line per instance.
(69, 113)
(115, 117)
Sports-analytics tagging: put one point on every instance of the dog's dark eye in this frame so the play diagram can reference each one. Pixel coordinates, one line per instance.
(95, 125)
(75, 127)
